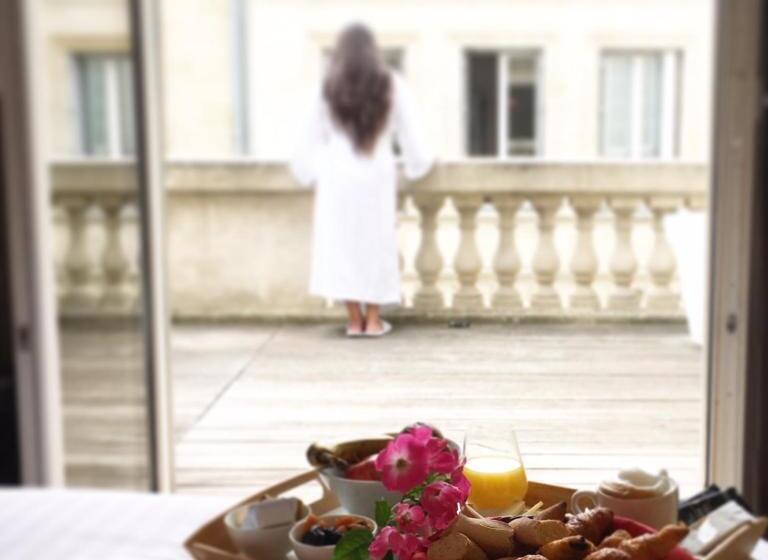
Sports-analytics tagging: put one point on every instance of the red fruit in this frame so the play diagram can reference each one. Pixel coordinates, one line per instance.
(364, 470)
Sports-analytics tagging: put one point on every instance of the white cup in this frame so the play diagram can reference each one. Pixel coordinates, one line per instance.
(656, 512)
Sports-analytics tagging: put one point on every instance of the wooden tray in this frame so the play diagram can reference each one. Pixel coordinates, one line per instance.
(211, 541)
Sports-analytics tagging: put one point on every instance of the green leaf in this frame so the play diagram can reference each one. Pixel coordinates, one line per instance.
(383, 513)
(354, 545)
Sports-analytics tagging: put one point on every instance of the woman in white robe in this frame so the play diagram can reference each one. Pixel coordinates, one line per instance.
(350, 159)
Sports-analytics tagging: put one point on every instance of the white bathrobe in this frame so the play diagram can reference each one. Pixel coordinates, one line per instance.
(354, 245)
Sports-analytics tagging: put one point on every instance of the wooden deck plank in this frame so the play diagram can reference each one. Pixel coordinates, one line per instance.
(585, 399)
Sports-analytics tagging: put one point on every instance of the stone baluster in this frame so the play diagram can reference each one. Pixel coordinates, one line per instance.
(78, 296)
(507, 261)
(662, 264)
(114, 261)
(429, 261)
(584, 263)
(623, 262)
(467, 262)
(546, 263)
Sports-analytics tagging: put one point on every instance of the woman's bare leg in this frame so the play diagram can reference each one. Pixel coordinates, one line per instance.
(355, 323)
(372, 319)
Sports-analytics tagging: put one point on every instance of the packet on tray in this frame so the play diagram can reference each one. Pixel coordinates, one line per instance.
(715, 527)
(271, 513)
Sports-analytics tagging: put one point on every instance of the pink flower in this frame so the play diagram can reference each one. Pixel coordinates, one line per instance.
(403, 546)
(411, 519)
(461, 482)
(441, 502)
(403, 463)
(380, 545)
(421, 432)
(441, 458)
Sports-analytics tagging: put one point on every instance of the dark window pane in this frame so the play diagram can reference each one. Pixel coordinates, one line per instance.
(483, 105)
(522, 109)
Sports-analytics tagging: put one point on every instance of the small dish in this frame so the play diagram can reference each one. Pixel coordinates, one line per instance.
(269, 543)
(358, 497)
(312, 552)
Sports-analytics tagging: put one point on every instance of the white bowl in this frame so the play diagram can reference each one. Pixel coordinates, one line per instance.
(311, 552)
(271, 543)
(358, 497)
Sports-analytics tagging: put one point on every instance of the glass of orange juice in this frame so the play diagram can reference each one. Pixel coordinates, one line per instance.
(495, 469)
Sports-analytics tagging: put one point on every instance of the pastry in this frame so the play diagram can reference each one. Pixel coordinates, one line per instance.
(569, 548)
(615, 539)
(609, 554)
(494, 537)
(593, 524)
(556, 512)
(455, 546)
(535, 533)
(655, 546)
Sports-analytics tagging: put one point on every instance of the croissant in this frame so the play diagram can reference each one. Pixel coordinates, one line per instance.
(655, 546)
(609, 554)
(615, 539)
(593, 524)
(569, 548)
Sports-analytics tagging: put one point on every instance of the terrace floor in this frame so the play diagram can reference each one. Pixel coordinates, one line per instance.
(585, 400)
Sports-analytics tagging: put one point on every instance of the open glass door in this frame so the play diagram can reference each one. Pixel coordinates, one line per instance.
(98, 139)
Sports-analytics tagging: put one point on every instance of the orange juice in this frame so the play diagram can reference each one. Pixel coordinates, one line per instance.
(497, 482)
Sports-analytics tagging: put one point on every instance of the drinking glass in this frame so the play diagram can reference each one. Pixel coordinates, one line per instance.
(495, 469)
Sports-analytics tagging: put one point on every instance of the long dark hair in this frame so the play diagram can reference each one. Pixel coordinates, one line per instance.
(358, 87)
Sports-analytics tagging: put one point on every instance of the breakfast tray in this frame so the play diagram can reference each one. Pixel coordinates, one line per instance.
(212, 542)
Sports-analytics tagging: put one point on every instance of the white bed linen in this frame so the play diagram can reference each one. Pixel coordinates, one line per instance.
(97, 525)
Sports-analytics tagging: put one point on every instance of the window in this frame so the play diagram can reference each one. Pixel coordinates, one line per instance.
(503, 100)
(639, 98)
(105, 105)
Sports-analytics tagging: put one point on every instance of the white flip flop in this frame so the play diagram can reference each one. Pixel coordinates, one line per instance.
(386, 328)
(358, 334)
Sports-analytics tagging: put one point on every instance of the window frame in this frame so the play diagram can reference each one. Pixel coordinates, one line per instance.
(672, 67)
(503, 56)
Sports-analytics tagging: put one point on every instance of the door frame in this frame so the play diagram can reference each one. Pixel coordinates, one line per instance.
(145, 50)
(737, 113)
(27, 212)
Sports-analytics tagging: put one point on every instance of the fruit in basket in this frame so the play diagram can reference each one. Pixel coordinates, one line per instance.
(364, 470)
(329, 531)
(321, 536)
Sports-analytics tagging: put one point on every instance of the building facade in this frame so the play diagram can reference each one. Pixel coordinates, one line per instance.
(550, 79)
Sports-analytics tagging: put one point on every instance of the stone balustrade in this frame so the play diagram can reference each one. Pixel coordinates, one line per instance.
(95, 211)
(479, 238)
